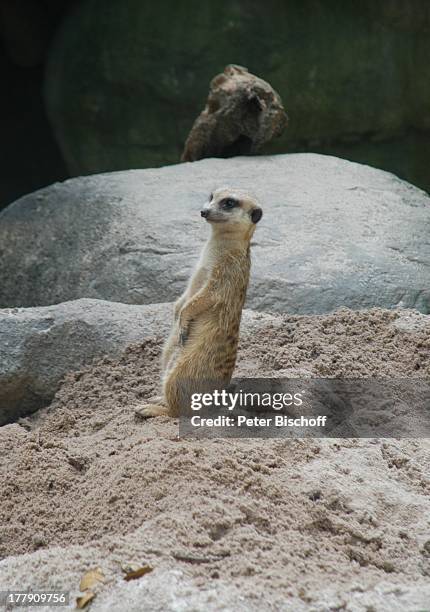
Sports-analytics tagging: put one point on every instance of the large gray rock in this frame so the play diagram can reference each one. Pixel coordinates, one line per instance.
(334, 233)
(38, 346)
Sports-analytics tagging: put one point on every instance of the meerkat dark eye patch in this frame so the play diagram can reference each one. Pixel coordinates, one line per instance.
(211, 197)
(228, 203)
(256, 215)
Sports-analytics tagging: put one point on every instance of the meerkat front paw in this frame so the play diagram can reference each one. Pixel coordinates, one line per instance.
(183, 335)
(178, 306)
(183, 327)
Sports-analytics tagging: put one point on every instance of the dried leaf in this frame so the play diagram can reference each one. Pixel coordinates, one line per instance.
(91, 578)
(81, 602)
(129, 567)
(138, 573)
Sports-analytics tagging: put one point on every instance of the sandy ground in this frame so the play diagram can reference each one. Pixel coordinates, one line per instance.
(339, 524)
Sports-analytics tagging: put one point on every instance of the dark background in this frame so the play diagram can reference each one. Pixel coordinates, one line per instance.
(29, 156)
(91, 86)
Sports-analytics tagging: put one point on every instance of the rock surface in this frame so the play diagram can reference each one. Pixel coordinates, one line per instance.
(38, 346)
(334, 233)
(125, 83)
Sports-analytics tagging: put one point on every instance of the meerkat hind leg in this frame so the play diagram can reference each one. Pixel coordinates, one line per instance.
(147, 411)
(153, 407)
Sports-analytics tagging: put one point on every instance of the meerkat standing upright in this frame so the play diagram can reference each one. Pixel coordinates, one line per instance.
(204, 338)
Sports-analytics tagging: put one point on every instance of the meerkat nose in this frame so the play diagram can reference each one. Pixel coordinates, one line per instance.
(204, 213)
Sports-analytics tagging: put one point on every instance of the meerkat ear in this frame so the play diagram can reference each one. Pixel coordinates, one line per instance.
(256, 215)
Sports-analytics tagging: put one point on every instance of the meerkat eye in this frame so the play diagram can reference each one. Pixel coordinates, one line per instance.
(211, 197)
(229, 203)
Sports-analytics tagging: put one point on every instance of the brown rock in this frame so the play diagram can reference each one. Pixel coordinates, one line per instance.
(242, 113)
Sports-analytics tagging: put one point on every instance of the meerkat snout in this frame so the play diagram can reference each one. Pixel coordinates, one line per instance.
(232, 207)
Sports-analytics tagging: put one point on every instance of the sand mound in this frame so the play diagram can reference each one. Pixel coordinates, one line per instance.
(291, 525)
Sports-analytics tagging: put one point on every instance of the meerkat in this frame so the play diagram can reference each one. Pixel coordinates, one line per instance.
(203, 341)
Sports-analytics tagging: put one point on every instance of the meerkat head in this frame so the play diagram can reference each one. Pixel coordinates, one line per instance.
(232, 210)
